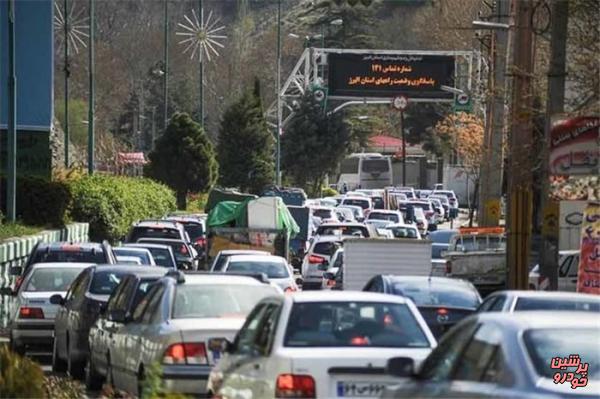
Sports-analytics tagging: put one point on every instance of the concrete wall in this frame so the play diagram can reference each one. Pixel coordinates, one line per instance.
(455, 178)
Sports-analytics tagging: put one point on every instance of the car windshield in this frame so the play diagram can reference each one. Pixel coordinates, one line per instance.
(70, 255)
(104, 282)
(545, 344)
(141, 255)
(162, 257)
(392, 217)
(153, 232)
(231, 300)
(403, 232)
(364, 204)
(55, 279)
(424, 293)
(375, 165)
(271, 269)
(342, 230)
(588, 305)
(351, 324)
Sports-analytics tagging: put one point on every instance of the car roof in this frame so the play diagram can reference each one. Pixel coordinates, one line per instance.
(548, 294)
(541, 319)
(184, 220)
(59, 245)
(384, 211)
(412, 226)
(133, 249)
(365, 198)
(147, 245)
(224, 279)
(328, 238)
(432, 279)
(241, 252)
(132, 269)
(256, 258)
(61, 265)
(344, 296)
(152, 239)
(342, 225)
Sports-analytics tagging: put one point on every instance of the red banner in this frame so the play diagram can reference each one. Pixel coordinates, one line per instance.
(575, 145)
(588, 278)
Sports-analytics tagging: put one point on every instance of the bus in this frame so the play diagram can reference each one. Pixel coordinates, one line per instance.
(365, 170)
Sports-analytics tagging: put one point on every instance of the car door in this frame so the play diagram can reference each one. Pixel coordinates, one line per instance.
(70, 313)
(62, 316)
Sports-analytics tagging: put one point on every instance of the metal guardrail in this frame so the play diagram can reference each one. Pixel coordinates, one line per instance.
(14, 252)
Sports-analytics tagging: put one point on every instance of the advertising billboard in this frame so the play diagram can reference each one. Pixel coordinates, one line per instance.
(390, 75)
(575, 145)
(588, 278)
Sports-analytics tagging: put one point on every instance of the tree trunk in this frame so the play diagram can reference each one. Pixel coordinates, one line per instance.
(181, 200)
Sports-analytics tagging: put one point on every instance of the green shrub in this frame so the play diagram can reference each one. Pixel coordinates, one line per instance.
(9, 230)
(20, 377)
(40, 202)
(111, 203)
(328, 192)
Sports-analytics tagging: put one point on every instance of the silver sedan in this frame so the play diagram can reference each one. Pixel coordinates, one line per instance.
(275, 268)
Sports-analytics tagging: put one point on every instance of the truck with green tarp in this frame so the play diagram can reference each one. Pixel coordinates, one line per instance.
(262, 224)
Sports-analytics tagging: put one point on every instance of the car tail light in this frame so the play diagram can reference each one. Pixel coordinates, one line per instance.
(186, 353)
(201, 241)
(290, 289)
(316, 259)
(442, 311)
(330, 283)
(295, 386)
(31, 313)
(448, 267)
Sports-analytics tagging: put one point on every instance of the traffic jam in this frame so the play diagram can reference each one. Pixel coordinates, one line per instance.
(366, 294)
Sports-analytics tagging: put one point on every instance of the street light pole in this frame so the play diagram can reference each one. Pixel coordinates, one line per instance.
(200, 5)
(166, 66)
(11, 178)
(278, 132)
(92, 90)
(67, 72)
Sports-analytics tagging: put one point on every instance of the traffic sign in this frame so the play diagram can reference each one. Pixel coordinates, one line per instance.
(462, 103)
(400, 103)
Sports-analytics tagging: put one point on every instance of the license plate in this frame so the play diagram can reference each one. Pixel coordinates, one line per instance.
(354, 389)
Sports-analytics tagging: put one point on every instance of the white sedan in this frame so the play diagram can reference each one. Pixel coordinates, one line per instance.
(276, 268)
(321, 345)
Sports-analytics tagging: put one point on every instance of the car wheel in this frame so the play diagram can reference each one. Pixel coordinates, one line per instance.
(74, 368)
(93, 381)
(58, 365)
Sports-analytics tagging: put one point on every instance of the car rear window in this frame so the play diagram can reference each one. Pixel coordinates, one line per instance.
(162, 257)
(142, 256)
(105, 282)
(194, 231)
(557, 304)
(81, 256)
(357, 202)
(424, 293)
(342, 230)
(215, 301)
(323, 213)
(353, 324)
(271, 269)
(153, 232)
(326, 248)
(180, 249)
(384, 216)
(403, 232)
(544, 344)
(55, 279)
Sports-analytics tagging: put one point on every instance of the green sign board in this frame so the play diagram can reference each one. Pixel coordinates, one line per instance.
(463, 103)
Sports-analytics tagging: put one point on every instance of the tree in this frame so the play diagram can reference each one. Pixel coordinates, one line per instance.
(184, 158)
(245, 149)
(464, 134)
(313, 144)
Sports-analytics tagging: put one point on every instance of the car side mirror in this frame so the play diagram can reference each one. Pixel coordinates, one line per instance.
(15, 271)
(184, 265)
(7, 291)
(57, 299)
(227, 346)
(400, 367)
(299, 281)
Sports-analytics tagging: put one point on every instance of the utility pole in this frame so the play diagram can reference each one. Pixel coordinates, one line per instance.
(403, 148)
(92, 89)
(67, 73)
(491, 171)
(520, 146)
(200, 5)
(166, 67)
(11, 178)
(278, 132)
(554, 105)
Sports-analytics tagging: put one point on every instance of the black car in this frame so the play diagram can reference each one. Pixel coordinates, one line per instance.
(83, 303)
(44, 252)
(121, 303)
(195, 228)
(186, 256)
(442, 301)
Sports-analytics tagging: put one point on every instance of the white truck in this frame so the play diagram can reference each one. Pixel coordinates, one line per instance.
(368, 257)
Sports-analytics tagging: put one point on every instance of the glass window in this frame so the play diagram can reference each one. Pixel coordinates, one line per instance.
(544, 344)
(403, 232)
(588, 305)
(105, 282)
(219, 263)
(364, 204)
(139, 309)
(349, 166)
(153, 309)
(223, 300)
(125, 251)
(271, 269)
(384, 216)
(348, 324)
(154, 232)
(142, 288)
(323, 213)
(81, 256)
(426, 293)
(162, 257)
(439, 364)
(55, 279)
(326, 248)
(120, 296)
(264, 338)
(78, 294)
(180, 248)
(499, 304)
(193, 230)
(574, 269)
(375, 165)
(360, 231)
(478, 354)
(245, 340)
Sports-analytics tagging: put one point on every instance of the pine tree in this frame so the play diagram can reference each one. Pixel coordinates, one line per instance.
(245, 149)
(184, 158)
